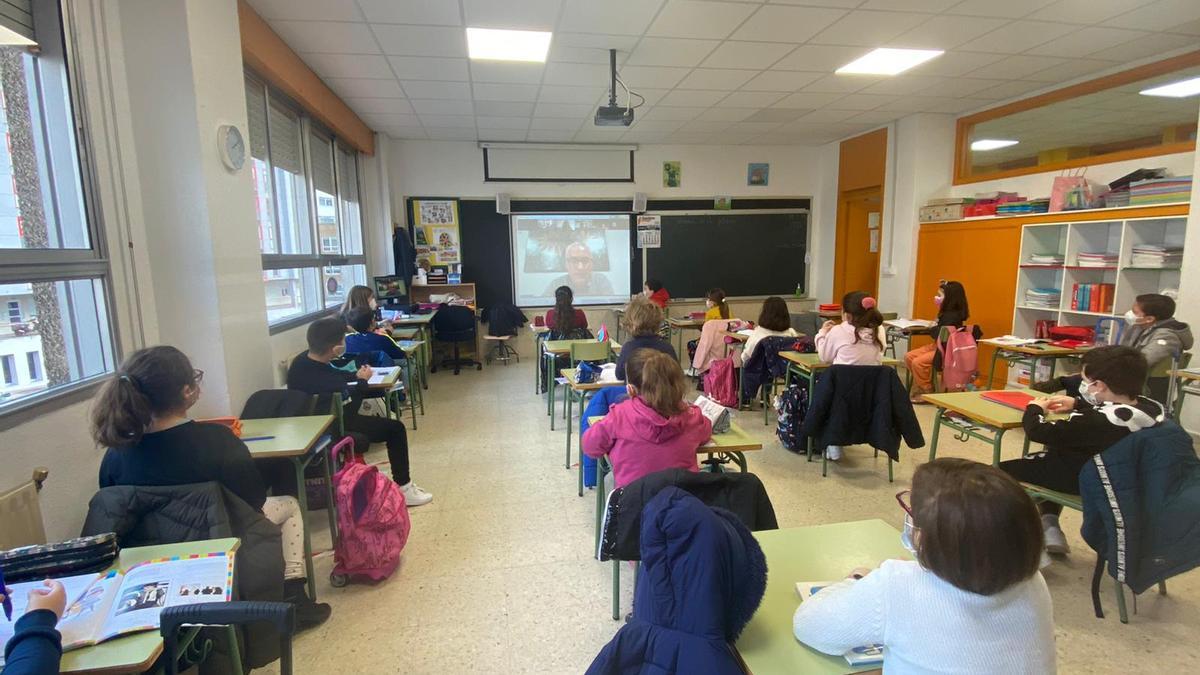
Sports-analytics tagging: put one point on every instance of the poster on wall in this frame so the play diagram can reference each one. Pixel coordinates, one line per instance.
(672, 174)
(649, 231)
(436, 235)
(758, 174)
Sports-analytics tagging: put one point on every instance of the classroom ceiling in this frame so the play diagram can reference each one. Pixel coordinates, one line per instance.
(739, 72)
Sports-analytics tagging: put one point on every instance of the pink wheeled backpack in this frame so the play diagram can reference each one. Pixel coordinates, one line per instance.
(372, 519)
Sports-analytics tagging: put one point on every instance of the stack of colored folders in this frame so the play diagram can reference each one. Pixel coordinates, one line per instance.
(1043, 298)
(1160, 191)
(1030, 206)
(1096, 259)
(1156, 255)
(1046, 259)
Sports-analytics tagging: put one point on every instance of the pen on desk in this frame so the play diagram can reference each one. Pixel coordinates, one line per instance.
(257, 438)
(7, 599)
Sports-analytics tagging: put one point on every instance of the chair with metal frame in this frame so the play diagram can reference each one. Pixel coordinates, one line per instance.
(21, 513)
(282, 615)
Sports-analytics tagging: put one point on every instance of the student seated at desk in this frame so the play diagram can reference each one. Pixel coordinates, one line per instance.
(1109, 408)
(35, 647)
(855, 341)
(642, 319)
(715, 305)
(312, 373)
(654, 429)
(655, 292)
(564, 320)
(773, 321)
(141, 417)
(972, 602)
(361, 320)
(363, 297)
(951, 300)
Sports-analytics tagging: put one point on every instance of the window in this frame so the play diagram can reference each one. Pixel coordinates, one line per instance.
(307, 208)
(54, 275)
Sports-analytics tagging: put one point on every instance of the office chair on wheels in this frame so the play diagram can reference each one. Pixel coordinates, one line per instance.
(455, 324)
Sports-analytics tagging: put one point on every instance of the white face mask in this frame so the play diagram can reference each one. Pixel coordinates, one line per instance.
(372, 304)
(708, 304)
(1086, 393)
(906, 536)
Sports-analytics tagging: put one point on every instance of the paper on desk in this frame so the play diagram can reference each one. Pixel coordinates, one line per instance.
(1014, 341)
(746, 331)
(905, 324)
(380, 375)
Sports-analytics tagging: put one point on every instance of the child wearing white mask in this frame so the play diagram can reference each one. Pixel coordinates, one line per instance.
(1109, 408)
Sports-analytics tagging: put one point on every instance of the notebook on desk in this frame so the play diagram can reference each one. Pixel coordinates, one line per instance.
(380, 375)
(1013, 399)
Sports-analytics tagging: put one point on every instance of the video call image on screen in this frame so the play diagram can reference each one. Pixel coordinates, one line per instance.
(589, 253)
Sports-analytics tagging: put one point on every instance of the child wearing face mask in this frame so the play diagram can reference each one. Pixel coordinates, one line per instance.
(951, 301)
(1109, 408)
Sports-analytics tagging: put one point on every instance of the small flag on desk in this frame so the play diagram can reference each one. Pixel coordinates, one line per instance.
(602, 334)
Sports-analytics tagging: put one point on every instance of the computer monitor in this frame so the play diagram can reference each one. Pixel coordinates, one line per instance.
(391, 290)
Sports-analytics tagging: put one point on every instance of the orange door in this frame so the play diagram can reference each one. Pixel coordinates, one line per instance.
(859, 233)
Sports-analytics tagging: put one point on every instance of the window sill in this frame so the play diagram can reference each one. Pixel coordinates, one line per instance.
(31, 408)
(302, 320)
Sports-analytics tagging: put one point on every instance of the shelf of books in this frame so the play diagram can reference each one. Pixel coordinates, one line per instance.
(1078, 273)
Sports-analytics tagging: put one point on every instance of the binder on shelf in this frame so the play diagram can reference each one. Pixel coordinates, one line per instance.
(1075, 296)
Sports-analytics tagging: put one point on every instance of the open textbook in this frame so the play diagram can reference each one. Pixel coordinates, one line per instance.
(110, 604)
(866, 655)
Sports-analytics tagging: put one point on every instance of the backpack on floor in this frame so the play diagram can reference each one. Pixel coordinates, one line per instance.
(791, 406)
(373, 522)
(720, 383)
(960, 359)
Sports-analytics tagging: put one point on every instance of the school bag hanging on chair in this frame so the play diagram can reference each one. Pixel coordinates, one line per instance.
(720, 383)
(960, 359)
(373, 522)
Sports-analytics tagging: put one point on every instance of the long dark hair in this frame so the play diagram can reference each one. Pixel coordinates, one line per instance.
(149, 383)
(774, 315)
(564, 310)
(954, 300)
(718, 299)
(863, 314)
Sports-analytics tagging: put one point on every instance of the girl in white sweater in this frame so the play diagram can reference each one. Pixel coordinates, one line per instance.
(973, 601)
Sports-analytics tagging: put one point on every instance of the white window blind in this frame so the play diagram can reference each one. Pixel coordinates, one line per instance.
(17, 16)
(322, 163)
(256, 112)
(285, 140)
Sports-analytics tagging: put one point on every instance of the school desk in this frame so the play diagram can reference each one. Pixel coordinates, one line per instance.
(813, 553)
(412, 388)
(420, 322)
(678, 326)
(895, 330)
(553, 348)
(137, 653)
(1029, 354)
(583, 390)
(302, 441)
(977, 418)
(1183, 378)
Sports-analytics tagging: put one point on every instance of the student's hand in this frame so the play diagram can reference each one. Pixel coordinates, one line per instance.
(827, 325)
(364, 373)
(1060, 403)
(53, 597)
(1042, 402)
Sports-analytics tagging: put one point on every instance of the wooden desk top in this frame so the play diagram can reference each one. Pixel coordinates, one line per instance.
(686, 322)
(1037, 349)
(813, 362)
(972, 405)
(136, 653)
(405, 333)
(815, 553)
(1188, 375)
(293, 436)
(415, 319)
(390, 380)
(735, 336)
(734, 440)
(564, 346)
(569, 373)
(409, 346)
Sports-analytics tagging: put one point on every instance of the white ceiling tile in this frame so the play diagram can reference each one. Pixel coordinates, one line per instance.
(733, 54)
(657, 124)
(595, 134)
(505, 92)
(781, 80)
(910, 83)
(750, 99)
(1017, 67)
(910, 5)
(1070, 70)
(652, 77)
(501, 134)
(1018, 36)
(504, 108)
(1085, 11)
(329, 37)
(955, 63)
(407, 133)
(864, 101)
(819, 117)
(842, 84)
(550, 135)
(621, 43)
(703, 127)
(846, 4)
(621, 17)
(874, 117)
(428, 12)
(1011, 9)
(692, 138)
(650, 96)
(736, 138)
(379, 105)
(781, 23)
(1164, 15)
(421, 40)
(349, 65)
(430, 89)
(945, 32)
(380, 120)
(1141, 49)
(699, 19)
(688, 97)
(960, 86)
(561, 94)
(808, 100)
(353, 87)
(868, 28)
(452, 133)
(501, 122)
(512, 14)
(674, 113)
(775, 115)
(716, 78)
(817, 58)
(514, 73)
(438, 120)
(726, 114)
(656, 51)
(1005, 90)
(566, 54)
(564, 110)
(755, 126)
(307, 10)
(426, 68)
(558, 123)
(641, 136)
(443, 107)
(576, 74)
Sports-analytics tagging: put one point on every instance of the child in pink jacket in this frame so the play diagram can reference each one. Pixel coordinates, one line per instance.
(853, 342)
(654, 429)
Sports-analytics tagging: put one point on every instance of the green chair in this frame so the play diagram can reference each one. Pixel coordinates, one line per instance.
(586, 351)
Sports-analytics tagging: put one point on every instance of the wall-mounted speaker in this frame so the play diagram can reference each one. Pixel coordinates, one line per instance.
(639, 202)
(503, 203)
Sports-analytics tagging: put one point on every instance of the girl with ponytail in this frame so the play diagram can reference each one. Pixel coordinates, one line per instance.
(564, 320)
(654, 429)
(853, 342)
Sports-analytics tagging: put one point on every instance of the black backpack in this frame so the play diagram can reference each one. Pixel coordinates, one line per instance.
(791, 406)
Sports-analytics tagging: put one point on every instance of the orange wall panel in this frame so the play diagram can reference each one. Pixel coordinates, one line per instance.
(862, 161)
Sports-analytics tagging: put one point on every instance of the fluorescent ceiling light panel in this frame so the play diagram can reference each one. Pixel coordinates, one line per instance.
(885, 61)
(508, 45)
(1181, 89)
(985, 144)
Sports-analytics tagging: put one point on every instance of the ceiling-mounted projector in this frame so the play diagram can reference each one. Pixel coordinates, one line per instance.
(613, 115)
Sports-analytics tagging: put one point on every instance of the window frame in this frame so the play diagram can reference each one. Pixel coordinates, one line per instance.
(65, 264)
(316, 259)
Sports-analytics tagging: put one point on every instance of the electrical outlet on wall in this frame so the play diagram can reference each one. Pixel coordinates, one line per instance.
(887, 271)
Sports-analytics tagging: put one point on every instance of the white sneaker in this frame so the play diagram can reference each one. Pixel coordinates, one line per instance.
(833, 453)
(414, 495)
(1056, 540)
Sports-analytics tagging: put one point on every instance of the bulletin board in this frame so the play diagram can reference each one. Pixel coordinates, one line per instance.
(436, 235)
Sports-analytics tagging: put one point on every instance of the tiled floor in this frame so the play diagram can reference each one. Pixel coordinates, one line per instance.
(498, 574)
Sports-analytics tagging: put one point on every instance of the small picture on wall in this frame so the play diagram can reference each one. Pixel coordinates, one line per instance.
(758, 174)
(672, 174)
(723, 203)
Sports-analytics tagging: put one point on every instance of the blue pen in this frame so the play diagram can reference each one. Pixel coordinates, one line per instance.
(257, 438)
(7, 598)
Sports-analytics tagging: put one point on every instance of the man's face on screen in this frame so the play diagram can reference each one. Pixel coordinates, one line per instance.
(579, 263)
